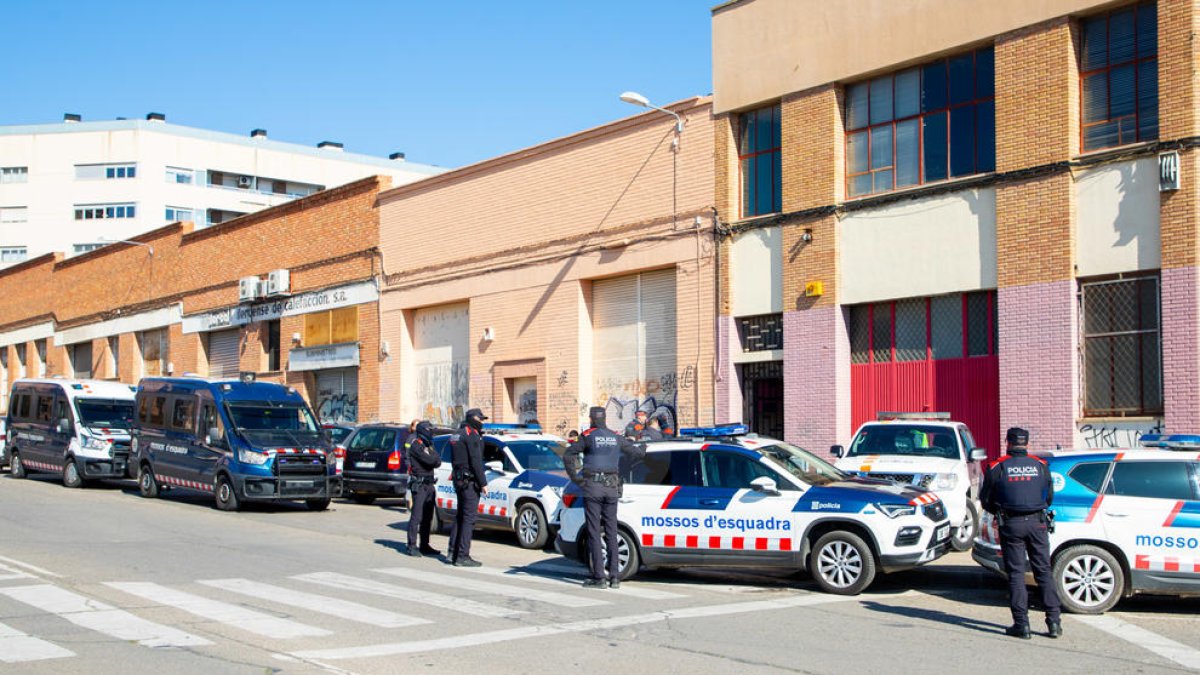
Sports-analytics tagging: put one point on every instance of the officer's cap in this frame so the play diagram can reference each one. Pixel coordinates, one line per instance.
(1017, 436)
(476, 413)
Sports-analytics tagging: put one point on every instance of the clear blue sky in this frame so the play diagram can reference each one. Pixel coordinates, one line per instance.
(448, 82)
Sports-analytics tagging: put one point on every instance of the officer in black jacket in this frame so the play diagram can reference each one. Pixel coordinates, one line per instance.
(422, 460)
(598, 475)
(470, 480)
(1018, 490)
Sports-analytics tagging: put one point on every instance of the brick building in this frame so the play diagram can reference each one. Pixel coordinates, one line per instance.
(170, 302)
(956, 206)
(578, 272)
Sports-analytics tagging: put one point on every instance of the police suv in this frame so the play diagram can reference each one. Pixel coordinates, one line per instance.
(749, 501)
(525, 482)
(924, 449)
(76, 428)
(1126, 522)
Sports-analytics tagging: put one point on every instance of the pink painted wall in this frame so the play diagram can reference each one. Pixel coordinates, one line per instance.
(816, 378)
(1181, 349)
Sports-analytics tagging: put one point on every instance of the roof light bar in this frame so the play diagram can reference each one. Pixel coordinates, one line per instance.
(1185, 441)
(723, 430)
(884, 416)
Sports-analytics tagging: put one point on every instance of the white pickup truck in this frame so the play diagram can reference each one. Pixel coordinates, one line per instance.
(928, 450)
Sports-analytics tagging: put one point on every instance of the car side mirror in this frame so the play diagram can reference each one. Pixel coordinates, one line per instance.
(494, 466)
(213, 435)
(978, 454)
(764, 485)
(63, 426)
(837, 451)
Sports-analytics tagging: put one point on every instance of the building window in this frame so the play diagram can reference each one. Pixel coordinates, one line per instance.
(1119, 73)
(1122, 347)
(961, 325)
(760, 160)
(181, 176)
(105, 171)
(14, 214)
(922, 125)
(14, 174)
(84, 248)
(176, 214)
(154, 348)
(13, 253)
(102, 211)
(218, 216)
(272, 345)
(761, 333)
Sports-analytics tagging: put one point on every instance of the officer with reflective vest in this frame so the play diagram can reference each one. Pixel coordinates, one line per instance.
(470, 481)
(1018, 490)
(422, 460)
(598, 474)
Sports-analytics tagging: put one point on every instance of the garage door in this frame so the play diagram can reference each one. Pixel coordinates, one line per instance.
(441, 364)
(224, 348)
(633, 323)
(337, 395)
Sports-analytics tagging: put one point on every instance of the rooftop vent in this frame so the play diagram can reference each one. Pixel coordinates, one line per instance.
(258, 133)
(330, 145)
(156, 117)
(72, 117)
(398, 156)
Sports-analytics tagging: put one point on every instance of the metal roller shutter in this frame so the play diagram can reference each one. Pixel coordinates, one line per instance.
(224, 349)
(633, 321)
(441, 364)
(337, 395)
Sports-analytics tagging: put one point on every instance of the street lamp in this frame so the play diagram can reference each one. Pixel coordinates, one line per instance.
(102, 240)
(637, 99)
(634, 98)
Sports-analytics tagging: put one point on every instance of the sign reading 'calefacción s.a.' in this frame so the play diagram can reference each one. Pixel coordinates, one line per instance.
(302, 303)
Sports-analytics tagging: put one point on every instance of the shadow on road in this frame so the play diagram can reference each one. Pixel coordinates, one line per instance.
(935, 615)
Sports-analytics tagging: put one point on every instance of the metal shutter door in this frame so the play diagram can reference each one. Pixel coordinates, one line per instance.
(633, 324)
(658, 328)
(441, 364)
(81, 360)
(337, 395)
(224, 348)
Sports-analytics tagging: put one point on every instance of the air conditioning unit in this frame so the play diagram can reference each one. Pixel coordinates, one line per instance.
(279, 282)
(249, 288)
(245, 181)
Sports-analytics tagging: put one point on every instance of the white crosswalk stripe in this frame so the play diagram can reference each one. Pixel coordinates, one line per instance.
(102, 618)
(344, 609)
(512, 591)
(17, 647)
(631, 589)
(11, 573)
(232, 615)
(447, 602)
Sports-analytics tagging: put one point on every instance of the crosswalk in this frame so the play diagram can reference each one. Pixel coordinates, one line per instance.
(284, 614)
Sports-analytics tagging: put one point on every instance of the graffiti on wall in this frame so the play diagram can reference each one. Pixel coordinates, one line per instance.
(660, 397)
(337, 407)
(527, 406)
(618, 414)
(1114, 434)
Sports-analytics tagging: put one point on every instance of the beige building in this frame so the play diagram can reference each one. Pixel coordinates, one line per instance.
(575, 273)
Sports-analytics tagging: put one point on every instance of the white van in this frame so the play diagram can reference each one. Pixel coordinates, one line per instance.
(76, 428)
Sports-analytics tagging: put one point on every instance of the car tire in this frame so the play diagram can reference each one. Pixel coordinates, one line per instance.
(627, 551)
(842, 563)
(532, 529)
(963, 536)
(71, 477)
(1089, 579)
(226, 494)
(16, 467)
(436, 524)
(365, 500)
(147, 483)
(317, 504)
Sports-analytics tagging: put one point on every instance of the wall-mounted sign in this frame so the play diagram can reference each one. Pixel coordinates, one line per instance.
(303, 303)
(325, 356)
(1168, 171)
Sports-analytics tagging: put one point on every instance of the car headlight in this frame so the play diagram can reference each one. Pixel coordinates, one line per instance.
(92, 443)
(897, 510)
(252, 457)
(945, 481)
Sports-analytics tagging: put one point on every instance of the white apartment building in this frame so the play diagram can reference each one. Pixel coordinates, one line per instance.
(71, 186)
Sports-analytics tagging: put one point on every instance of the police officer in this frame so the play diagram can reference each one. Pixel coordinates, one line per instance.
(469, 479)
(598, 474)
(1017, 490)
(637, 427)
(422, 460)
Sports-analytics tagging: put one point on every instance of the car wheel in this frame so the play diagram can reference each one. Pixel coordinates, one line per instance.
(1089, 580)
(532, 531)
(226, 495)
(317, 504)
(15, 466)
(70, 476)
(362, 499)
(963, 537)
(436, 524)
(147, 483)
(842, 563)
(627, 555)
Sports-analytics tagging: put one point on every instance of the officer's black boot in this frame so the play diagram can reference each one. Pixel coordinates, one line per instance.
(1053, 628)
(595, 583)
(1018, 632)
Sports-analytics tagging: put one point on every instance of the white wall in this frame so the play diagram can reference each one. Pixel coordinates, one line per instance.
(942, 244)
(1117, 209)
(756, 272)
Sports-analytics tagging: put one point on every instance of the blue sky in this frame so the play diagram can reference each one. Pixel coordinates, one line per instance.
(448, 82)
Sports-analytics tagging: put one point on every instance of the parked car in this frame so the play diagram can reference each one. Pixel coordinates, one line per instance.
(338, 433)
(376, 465)
(3, 443)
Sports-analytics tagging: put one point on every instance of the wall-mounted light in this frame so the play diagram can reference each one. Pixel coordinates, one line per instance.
(807, 236)
(385, 348)
(296, 339)
(489, 334)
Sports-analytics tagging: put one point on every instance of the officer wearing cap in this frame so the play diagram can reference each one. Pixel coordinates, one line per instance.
(598, 474)
(1018, 490)
(422, 460)
(467, 473)
(637, 427)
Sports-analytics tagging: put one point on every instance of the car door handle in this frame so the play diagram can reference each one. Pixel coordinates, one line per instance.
(710, 502)
(1115, 514)
(625, 500)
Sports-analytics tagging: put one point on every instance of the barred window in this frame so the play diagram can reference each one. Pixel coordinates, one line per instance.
(956, 326)
(1122, 347)
(761, 333)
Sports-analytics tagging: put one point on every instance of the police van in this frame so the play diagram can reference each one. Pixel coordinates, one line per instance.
(525, 477)
(928, 450)
(761, 502)
(238, 440)
(76, 428)
(1126, 522)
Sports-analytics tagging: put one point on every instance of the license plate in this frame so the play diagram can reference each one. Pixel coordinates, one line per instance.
(300, 483)
(365, 465)
(943, 532)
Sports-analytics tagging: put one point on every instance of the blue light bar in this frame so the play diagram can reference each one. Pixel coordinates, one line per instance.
(511, 427)
(1189, 441)
(723, 430)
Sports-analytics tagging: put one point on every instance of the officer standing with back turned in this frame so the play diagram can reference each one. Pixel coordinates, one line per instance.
(422, 460)
(470, 479)
(598, 473)
(1018, 491)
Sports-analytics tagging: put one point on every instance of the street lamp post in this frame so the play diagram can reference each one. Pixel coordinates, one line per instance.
(634, 98)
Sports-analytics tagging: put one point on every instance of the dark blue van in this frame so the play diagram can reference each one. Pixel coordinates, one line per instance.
(239, 440)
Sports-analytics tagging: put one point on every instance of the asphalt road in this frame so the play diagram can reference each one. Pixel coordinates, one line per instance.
(100, 580)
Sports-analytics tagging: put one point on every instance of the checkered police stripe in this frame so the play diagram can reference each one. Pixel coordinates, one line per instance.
(41, 466)
(926, 498)
(718, 543)
(501, 511)
(179, 482)
(1166, 563)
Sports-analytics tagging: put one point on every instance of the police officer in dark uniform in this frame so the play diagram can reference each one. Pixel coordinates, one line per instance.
(598, 474)
(637, 427)
(1018, 491)
(422, 460)
(469, 479)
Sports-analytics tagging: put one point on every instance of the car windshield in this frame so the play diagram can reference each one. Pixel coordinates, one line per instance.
(266, 422)
(915, 440)
(539, 455)
(802, 464)
(113, 413)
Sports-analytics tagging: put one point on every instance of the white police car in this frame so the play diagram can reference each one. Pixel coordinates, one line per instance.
(925, 449)
(696, 503)
(1126, 522)
(525, 482)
